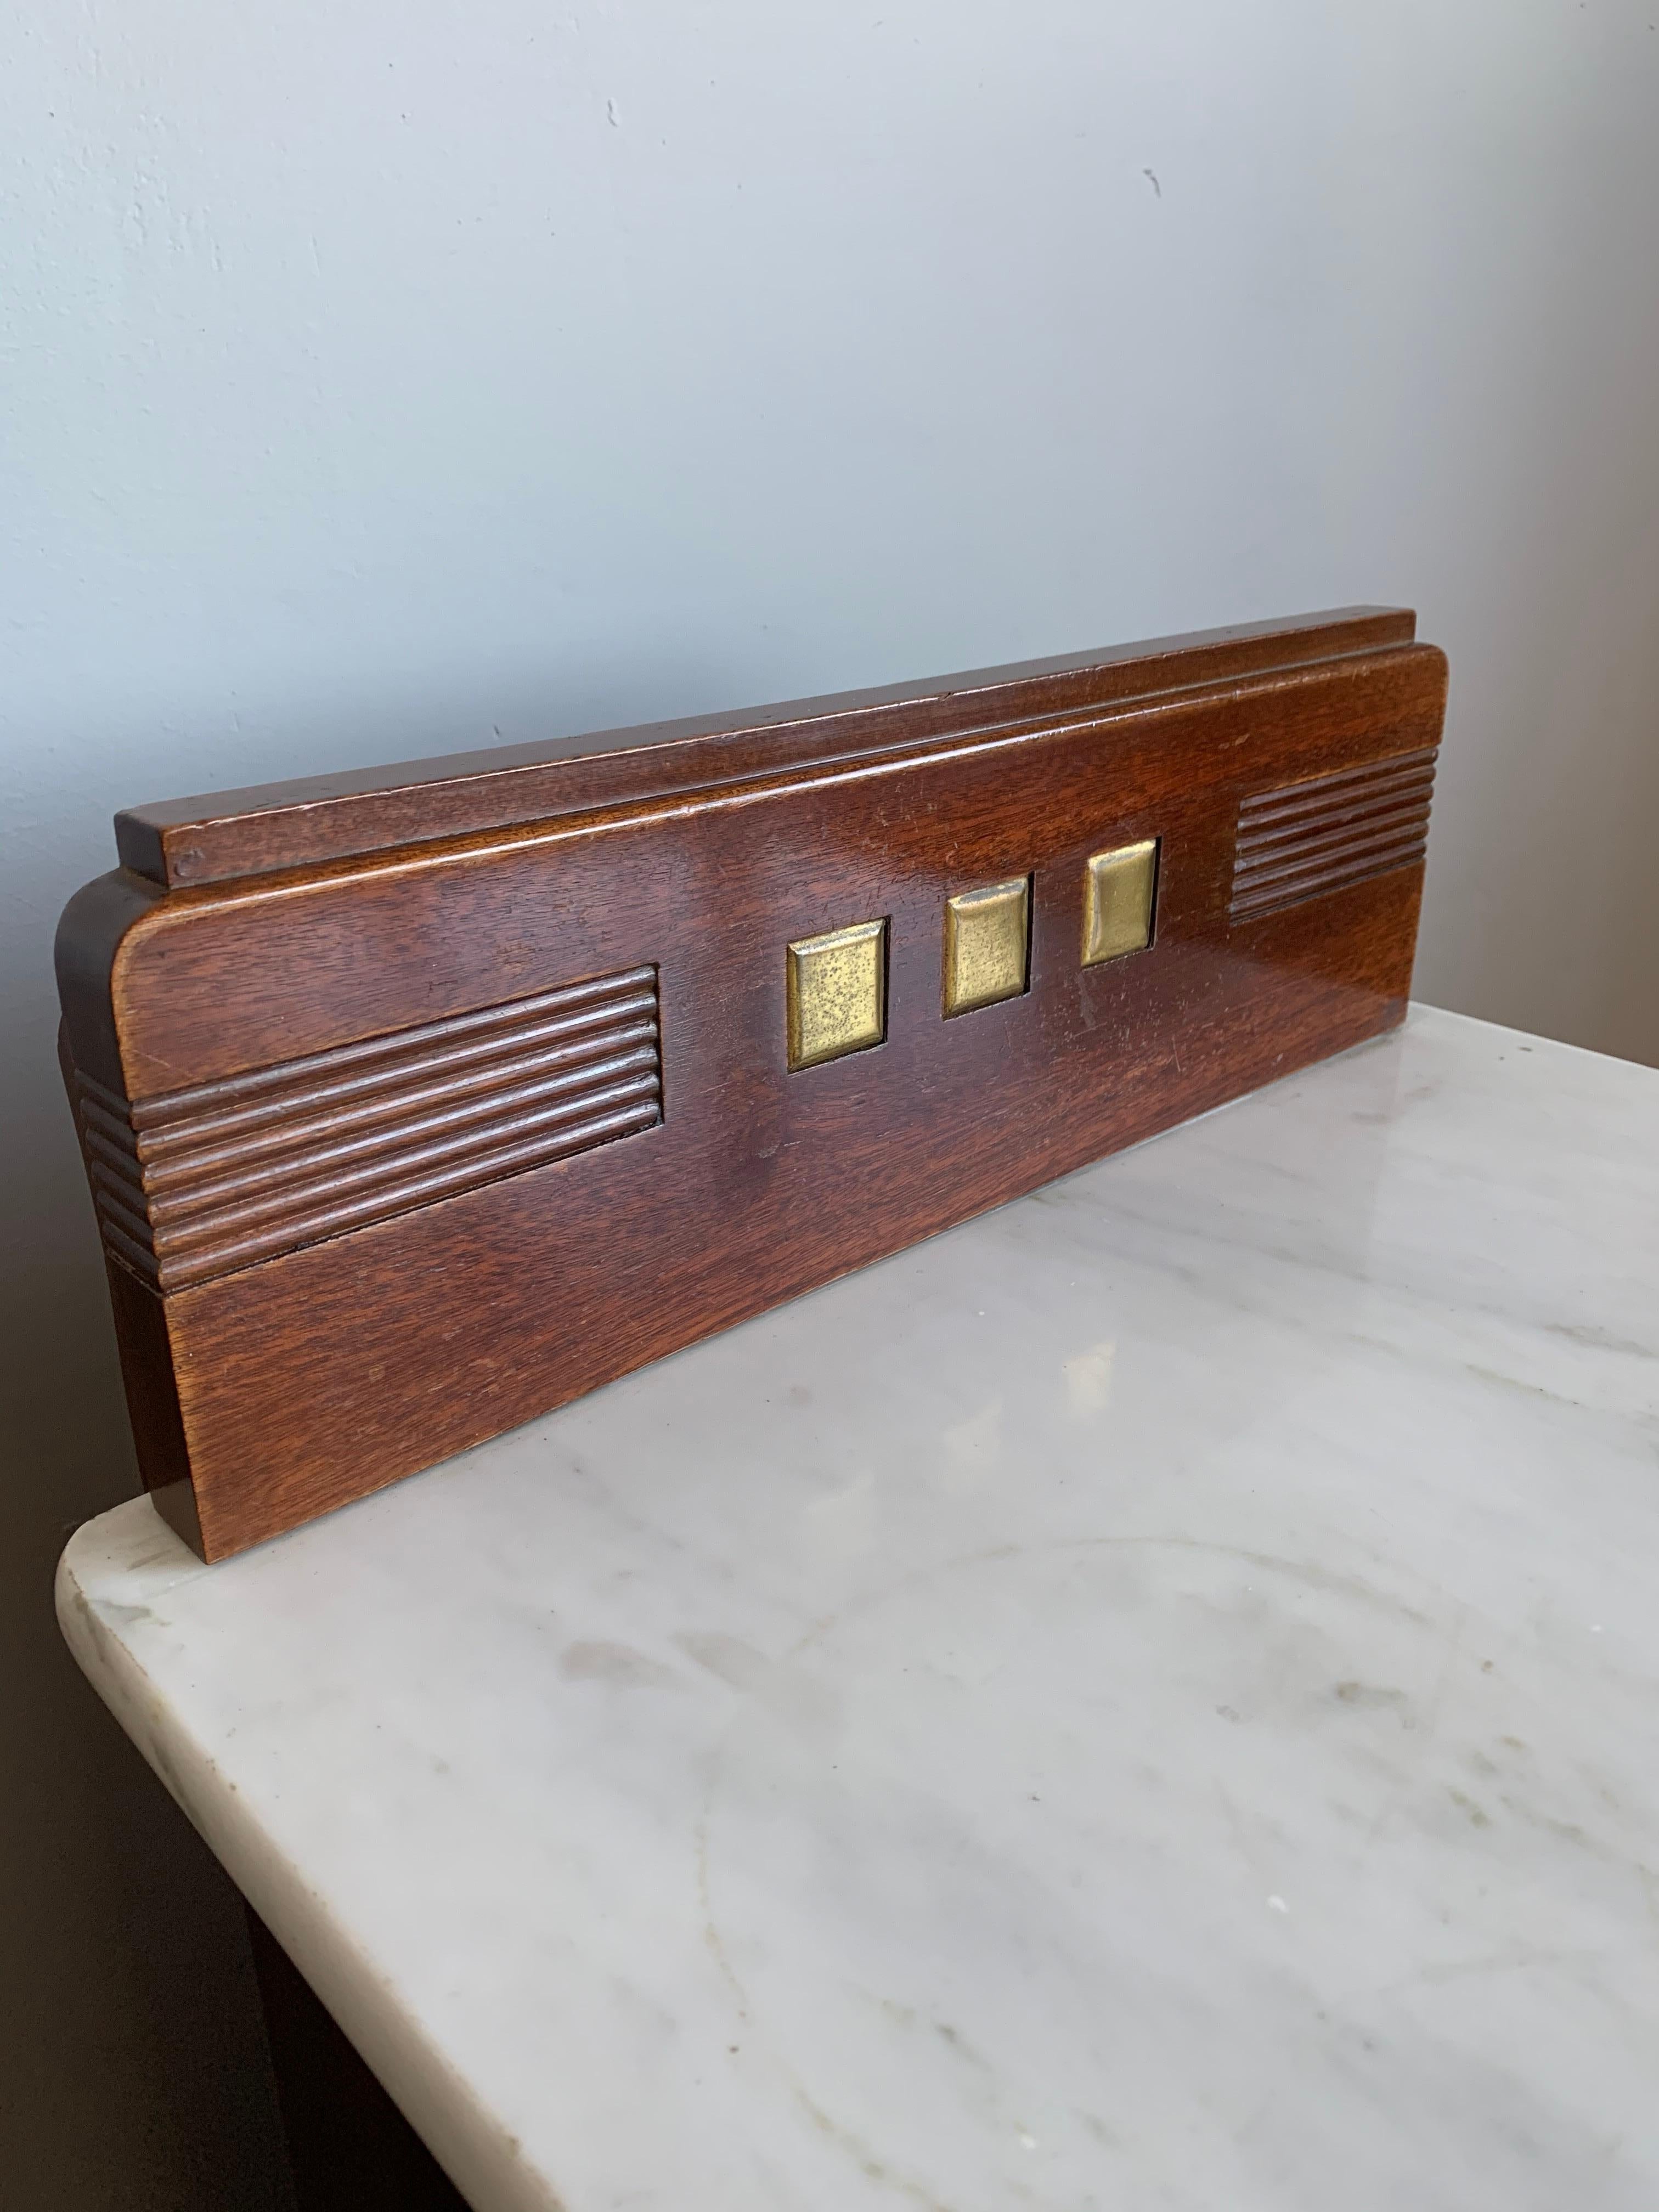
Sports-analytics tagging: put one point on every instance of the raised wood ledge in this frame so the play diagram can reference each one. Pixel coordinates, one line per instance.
(311, 821)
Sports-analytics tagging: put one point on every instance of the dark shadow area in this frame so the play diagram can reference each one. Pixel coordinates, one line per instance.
(133, 2068)
(351, 2149)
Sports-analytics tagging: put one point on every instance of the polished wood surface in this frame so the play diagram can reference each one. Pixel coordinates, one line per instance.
(397, 1146)
(320, 818)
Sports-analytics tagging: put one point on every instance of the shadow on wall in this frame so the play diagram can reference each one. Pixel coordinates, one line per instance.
(133, 2071)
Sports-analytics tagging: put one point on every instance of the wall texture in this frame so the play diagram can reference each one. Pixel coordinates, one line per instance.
(380, 379)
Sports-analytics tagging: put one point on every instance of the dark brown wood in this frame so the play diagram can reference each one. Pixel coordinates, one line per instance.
(332, 818)
(349, 2148)
(394, 1147)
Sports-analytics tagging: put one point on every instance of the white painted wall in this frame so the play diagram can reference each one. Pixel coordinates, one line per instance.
(381, 376)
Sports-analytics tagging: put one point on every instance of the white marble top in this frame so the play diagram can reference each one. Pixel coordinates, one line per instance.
(1148, 1700)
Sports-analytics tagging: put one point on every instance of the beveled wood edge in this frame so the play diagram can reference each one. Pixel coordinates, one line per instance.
(310, 822)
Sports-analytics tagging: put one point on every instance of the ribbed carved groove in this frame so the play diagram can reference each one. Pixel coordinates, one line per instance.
(202, 1182)
(1309, 839)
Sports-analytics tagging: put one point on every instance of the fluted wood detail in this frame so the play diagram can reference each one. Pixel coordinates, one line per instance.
(202, 1182)
(1307, 840)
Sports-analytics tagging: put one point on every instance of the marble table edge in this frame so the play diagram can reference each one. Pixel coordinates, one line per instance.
(480, 2156)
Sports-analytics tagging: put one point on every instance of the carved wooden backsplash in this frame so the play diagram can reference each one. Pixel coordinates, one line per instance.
(414, 1103)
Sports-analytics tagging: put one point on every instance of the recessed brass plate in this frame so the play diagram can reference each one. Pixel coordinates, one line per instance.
(1118, 892)
(837, 992)
(986, 945)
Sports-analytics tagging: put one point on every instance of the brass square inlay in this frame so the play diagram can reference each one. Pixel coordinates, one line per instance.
(1119, 888)
(986, 945)
(837, 992)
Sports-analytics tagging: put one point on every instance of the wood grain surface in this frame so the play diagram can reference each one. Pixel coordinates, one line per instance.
(324, 1095)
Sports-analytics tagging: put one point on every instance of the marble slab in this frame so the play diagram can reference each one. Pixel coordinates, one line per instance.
(1149, 1700)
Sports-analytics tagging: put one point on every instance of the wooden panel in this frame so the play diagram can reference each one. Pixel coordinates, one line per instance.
(338, 1133)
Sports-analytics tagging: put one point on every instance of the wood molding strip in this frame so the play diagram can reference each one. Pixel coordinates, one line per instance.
(192, 1185)
(1316, 836)
(310, 822)
(386, 1059)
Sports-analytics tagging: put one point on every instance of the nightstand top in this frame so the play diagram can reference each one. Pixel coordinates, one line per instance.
(1147, 1698)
